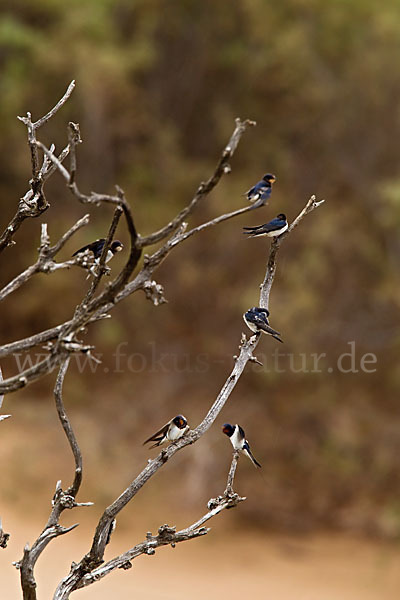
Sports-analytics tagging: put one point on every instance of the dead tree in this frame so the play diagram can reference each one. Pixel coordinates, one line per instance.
(64, 340)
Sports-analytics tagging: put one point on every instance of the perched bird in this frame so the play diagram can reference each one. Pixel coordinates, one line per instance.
(272, 229)
(256, 319)
(97, 248)
(238, 441)
(172, 431)
(261, 191)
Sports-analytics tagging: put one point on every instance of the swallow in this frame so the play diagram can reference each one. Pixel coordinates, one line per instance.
(256, 319)
(239, 442)
(172, 431)
(272, 229)
(97, 248)
(261, 191)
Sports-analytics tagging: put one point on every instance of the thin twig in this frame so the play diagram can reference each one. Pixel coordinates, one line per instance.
(69, 432)
(57, 107)
(54, 159)
(232, 471)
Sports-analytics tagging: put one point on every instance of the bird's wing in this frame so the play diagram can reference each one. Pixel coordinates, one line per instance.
(270, 331)
(241, 432)
(261, 191)
(257, 319)
(95, 247)
(274, 225)
(263, 324)
(256, 228)
(158, 435)
(250, 191)
(246, 447)
(257, 231)
(259, 188)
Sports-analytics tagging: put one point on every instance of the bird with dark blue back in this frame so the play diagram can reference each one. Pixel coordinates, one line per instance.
(256, 319)
(273, 228)
(96, 248)
(261, 191)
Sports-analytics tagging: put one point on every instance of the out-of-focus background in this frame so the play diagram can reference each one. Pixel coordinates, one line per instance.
(159, 85)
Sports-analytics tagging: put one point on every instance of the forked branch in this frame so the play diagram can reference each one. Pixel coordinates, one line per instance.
(167, 536)
(34, 202)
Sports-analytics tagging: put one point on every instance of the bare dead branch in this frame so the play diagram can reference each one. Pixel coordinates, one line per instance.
(31, 341)
(41, 368)
(62, 415)
(27, 564)
(56, 108)
(62, 341)
(34, 202)
(217, 220)
(232, 471)
(79, 576)
(54, 159)
(50, 166)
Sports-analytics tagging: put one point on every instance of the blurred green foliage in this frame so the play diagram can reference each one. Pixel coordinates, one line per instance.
(158, 87)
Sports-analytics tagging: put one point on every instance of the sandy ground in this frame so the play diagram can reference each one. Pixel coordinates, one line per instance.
(276, 567)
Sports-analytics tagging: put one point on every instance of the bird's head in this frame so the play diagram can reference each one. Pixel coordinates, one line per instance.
(179, 421)
(269, 178)
(281, 216)
(116, 246)
(228, 429)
